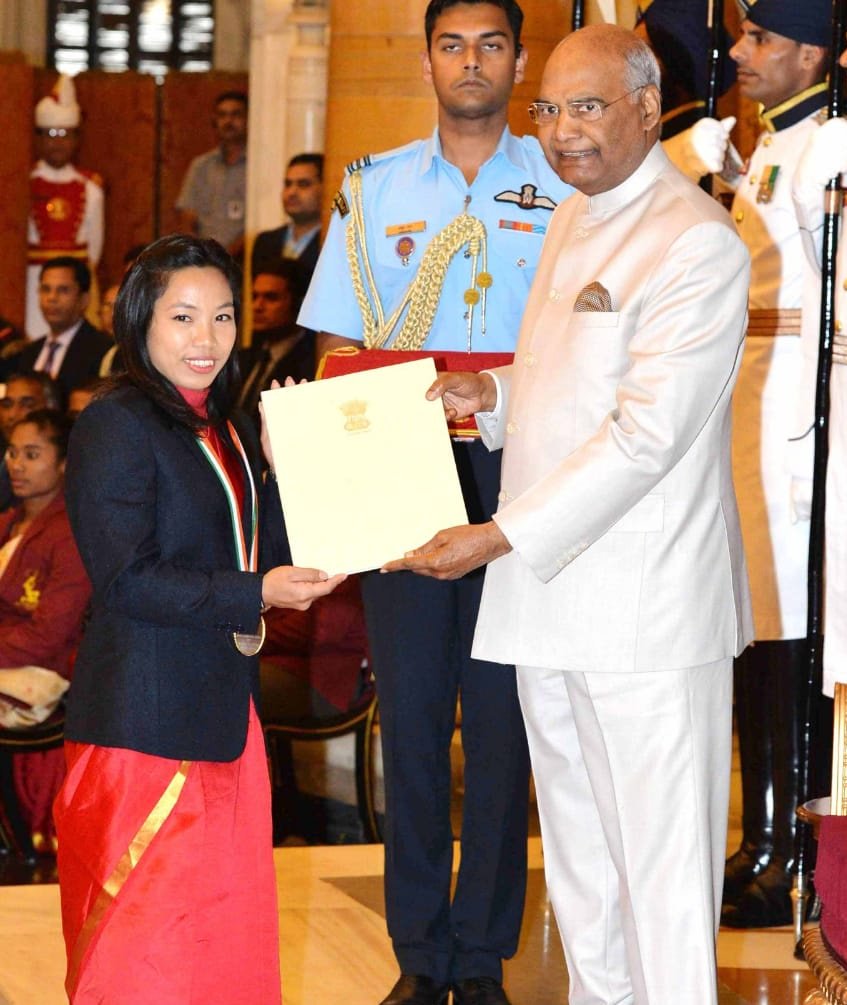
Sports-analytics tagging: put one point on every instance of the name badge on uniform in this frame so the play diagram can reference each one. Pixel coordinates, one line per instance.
(415, 227)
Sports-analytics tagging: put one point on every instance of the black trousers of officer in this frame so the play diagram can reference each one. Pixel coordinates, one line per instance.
(420, 632)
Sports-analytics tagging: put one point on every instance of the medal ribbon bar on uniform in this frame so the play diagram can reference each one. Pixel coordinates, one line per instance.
(526, 228)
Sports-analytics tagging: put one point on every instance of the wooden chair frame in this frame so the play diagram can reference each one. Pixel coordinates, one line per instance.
(361, 722)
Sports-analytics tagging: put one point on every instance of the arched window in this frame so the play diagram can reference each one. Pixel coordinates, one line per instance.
(151, 36)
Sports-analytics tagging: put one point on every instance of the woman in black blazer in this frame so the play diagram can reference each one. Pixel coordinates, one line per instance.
(165, 851)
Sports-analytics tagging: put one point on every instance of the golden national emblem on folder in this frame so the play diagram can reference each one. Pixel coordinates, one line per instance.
(364, 465)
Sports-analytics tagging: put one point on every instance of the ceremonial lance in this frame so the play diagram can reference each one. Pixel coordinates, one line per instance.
(714, 22)
(814, 621)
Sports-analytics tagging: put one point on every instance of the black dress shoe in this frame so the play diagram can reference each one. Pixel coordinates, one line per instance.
(479, 991)
(765, 902)
(415, 989)
(741, 869)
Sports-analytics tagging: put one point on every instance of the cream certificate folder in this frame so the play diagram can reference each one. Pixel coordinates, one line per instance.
(364, 466)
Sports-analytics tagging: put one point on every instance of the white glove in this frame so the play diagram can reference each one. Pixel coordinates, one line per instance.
(825, 155)
(702, 149)
(800, 508)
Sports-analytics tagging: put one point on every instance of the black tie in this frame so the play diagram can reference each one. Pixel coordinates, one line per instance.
(254, 385)
(52, 349)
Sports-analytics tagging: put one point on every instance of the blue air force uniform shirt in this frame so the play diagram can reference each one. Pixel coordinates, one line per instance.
(409, 195)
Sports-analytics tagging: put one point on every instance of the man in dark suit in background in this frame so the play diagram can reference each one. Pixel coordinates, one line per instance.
(302, 191)
(279, 348)
(72, 349)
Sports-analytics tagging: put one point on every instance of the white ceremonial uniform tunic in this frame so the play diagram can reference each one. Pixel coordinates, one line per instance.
(765, 401)
(625, 597)
(88, 235)
(810, 206)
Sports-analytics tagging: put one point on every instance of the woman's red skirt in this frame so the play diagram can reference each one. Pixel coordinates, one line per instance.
(167, 878)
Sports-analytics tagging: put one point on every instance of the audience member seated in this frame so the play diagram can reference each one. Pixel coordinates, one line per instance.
(300, 239)
(107, 308)
(112, 363)
(24, 393)
(314, 666)
(44, 591)
(107, 305)
(81, 397)
(73, 348)
(279, 347)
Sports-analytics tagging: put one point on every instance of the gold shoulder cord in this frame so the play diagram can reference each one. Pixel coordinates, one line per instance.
(423, 293)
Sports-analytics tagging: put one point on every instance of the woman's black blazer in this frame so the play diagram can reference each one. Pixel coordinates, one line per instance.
(157, 671)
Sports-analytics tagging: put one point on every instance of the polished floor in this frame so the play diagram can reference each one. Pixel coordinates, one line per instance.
(333, 943)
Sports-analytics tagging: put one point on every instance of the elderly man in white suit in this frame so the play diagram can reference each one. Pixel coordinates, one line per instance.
(617, 582)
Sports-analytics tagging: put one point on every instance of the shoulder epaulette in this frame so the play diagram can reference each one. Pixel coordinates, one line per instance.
(369, 159)
(339, 204)
(358, 164)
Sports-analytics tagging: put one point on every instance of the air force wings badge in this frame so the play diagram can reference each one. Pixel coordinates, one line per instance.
(527, 198)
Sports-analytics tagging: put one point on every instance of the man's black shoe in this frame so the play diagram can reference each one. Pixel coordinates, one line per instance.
(414, 989)
(479, 991)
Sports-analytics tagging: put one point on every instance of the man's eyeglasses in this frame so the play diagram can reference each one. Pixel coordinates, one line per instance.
(55, 134)
(543, 113)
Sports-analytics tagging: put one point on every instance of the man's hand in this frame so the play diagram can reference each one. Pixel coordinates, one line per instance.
(454, 552)
(463, 394)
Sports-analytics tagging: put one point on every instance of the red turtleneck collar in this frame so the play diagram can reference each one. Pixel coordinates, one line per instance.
(195, 399)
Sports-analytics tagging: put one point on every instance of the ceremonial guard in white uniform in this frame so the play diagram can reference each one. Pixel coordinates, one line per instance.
(66, 202)
(433, 246)
(780, 56)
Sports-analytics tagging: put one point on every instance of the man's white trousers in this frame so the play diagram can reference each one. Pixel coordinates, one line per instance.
(632, 777)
